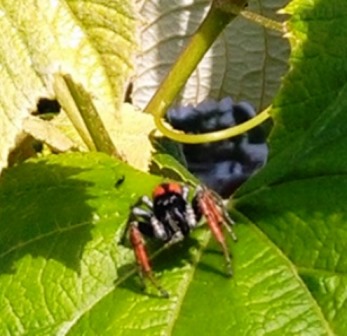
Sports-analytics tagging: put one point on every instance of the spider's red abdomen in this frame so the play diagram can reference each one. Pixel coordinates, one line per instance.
(165, 188)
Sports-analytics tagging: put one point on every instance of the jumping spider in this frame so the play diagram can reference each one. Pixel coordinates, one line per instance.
(169, 217)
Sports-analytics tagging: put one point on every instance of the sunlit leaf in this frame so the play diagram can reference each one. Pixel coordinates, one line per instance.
(246, 62)
(92, 41)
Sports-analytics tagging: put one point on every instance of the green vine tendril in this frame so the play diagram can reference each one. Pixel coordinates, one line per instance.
(218, 17)
(178, 136)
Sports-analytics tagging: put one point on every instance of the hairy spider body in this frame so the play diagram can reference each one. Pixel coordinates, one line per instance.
(170, 217)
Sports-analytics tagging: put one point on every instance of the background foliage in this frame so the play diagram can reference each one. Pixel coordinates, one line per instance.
(246, 62)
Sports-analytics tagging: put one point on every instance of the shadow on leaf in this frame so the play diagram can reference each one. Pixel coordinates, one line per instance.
(168, 259)
(215, 263)
(44, 213)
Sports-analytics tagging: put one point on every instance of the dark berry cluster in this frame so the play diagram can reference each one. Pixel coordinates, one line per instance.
(221, 165)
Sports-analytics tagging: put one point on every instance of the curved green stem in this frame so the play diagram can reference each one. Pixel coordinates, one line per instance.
(212, 136)
(218, 17)
(214, 23)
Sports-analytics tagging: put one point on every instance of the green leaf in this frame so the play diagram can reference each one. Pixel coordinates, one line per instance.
(298, 200)
(166, 165)
(206, 302)
(92, 41)
(82, 102)
(46, 132)
(265, 297)
(246, 62)
(60, 219)
(63, 272)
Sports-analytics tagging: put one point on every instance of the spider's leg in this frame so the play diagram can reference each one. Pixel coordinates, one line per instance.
(142, 258)
(191, 218)
(124, 235)
(214, 219)
(227, 222)
(185, 192)
(137, 211)
(141, 277)
(219, 209)
(158, 229)
(147, 201)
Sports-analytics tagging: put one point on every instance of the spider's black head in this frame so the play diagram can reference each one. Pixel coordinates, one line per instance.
(170, 208)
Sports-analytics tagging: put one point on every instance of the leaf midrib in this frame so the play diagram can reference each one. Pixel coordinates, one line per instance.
(293, 269)
(184, 287)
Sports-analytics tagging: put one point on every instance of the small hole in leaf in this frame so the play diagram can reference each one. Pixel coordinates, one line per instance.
(47, 106)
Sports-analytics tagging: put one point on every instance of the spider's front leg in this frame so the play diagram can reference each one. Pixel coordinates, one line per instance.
(141, 255)
(145, 215)
(155, 227)
(227, 222)
(212, 208)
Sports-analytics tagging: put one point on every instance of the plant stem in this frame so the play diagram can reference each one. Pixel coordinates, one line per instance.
(218, 17)
(213, 136)
(214, 23)
(83, 114)
(70, 107)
